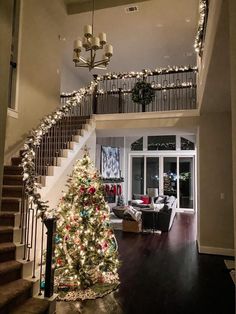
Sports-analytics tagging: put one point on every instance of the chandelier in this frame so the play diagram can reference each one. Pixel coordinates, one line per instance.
(92, 44)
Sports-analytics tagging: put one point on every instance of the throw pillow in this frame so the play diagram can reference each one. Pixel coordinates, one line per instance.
(145, 199)
(137, 202)
(160, 199)
(158, 206)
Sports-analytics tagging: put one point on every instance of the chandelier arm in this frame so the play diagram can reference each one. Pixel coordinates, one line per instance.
(81, 65)
(82, 59)
(101, 62)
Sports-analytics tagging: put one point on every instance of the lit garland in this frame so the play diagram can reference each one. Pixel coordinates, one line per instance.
(31, 144)
(154, 85)
(203, 11)
(86, 248)
(146, 72)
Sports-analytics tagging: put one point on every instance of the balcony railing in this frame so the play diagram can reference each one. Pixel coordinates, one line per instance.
(174, 89)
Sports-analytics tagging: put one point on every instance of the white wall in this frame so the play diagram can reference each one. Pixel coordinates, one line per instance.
(232, 16)
(69, 80)
(38, 67)
(215, 178)
(5, 47)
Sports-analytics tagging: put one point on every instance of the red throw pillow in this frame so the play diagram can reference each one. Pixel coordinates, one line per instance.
(145, 199)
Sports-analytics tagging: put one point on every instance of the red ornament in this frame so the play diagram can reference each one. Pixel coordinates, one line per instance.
(59, 261)
(68, 227)
(92, 190)
(101, 279)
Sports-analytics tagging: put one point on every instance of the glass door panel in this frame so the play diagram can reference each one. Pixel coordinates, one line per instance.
(152, 172)
(186, 189)
(137, 175)
(170, 176)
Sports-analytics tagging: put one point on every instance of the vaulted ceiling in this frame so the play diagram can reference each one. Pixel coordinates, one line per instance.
(159, 34)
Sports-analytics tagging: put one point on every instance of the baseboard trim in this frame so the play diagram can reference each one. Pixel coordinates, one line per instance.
(215, 250)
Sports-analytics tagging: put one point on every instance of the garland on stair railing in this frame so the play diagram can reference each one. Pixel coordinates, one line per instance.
(33, 141)
(203, 12)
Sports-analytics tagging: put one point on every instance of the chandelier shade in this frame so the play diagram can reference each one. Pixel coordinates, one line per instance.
(92, 44)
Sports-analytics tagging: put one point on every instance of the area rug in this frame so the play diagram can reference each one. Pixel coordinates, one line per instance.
(230, 264)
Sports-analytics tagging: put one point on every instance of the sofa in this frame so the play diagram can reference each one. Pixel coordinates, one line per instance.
(162, 217)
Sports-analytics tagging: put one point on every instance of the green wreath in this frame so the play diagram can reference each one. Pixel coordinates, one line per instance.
(142, 93)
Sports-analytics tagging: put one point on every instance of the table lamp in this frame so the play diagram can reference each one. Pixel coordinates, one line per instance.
(152, 192)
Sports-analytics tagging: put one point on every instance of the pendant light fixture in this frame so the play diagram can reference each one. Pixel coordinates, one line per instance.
(92, 44)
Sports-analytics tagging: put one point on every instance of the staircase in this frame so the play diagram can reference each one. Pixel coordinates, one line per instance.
(16, 292)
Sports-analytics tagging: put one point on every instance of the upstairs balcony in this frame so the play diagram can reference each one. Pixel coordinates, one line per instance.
(172, 88)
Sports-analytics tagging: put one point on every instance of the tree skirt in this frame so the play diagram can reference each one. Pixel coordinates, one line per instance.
(98, 290)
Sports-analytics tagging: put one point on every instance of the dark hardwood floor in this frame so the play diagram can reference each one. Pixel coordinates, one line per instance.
(162, 274)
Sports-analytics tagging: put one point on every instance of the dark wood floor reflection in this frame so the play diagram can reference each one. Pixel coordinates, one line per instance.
(164, 274)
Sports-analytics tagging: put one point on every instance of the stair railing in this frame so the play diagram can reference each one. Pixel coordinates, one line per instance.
(174, 88)
(41, 150)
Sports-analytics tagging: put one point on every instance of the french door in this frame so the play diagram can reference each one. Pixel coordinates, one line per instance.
(172, 175)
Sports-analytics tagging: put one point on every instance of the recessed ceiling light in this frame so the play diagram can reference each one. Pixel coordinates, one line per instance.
(159, 25)
(167, 57)
(189, 54)
(187, 20)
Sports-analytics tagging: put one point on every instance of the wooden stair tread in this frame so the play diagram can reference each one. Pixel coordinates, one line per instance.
(4, 229)
(7, 246)
(12, 290)
(32, 306)
(11, 198)
(7, 214)
(7, 186)
(9, 266)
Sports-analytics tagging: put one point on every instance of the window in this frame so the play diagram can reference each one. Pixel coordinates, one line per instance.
(186, 144)
(14, 54)
(137, 145)
(164, 142)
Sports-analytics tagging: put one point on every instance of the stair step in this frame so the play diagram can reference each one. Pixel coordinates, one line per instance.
(14, 294)
(12, 190)
(6, 234)
(7, 219)
(7, 252)
(10, 271)
(15, 161)
(33, 306)
(13, 170)
(11, 204)
(11, 179)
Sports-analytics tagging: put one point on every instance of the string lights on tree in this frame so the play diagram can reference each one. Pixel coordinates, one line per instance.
(86, 254)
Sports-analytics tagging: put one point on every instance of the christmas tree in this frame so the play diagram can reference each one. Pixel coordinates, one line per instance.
(86, 249)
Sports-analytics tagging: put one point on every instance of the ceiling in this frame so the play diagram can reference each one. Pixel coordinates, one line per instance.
(159, 34)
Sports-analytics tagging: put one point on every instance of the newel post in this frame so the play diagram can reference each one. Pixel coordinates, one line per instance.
(95, 95)
(50, 223)
(120, 100)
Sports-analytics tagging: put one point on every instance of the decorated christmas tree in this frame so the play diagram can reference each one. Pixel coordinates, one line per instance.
(86, 255)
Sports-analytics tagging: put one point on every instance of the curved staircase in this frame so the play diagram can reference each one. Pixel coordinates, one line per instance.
(17, 287)
(15, 292)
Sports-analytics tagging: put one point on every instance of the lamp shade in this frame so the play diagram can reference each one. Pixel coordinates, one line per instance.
(152, 192)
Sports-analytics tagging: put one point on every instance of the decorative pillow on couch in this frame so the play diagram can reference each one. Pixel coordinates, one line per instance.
(138, 202)
(145, 199)
(161, 199)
